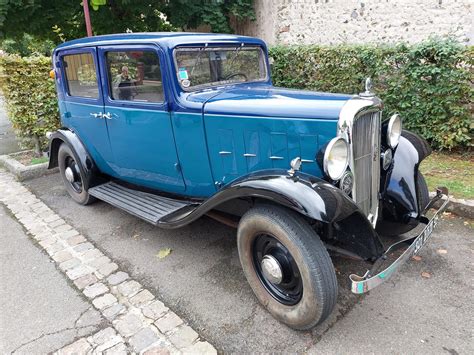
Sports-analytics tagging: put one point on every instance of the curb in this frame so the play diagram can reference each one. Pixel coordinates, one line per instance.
(461, 207)
(23, 172)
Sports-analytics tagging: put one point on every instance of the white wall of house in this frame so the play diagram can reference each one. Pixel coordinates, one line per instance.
(359, 21)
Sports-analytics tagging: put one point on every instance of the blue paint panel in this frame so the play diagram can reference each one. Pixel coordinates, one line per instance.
(192, 151)
(279, 150)
(289, 137)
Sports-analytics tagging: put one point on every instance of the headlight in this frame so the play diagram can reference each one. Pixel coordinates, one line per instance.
(336, 158)
(394, 130)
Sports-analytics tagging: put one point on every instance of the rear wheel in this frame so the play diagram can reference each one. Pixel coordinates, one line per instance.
(287, 266)
(73, 176)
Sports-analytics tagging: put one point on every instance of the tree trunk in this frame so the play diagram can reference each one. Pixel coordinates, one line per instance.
(37, 149)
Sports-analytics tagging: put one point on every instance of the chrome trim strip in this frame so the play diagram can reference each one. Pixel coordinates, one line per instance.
(307, 161)
(274, 157)
(223, 152)
(249, 155)
(362, 284)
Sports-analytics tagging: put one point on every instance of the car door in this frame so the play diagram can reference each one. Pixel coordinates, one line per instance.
(138, 119)
(84, 104)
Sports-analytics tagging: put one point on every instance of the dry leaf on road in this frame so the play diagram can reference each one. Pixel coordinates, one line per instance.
(442, 251)
(426, 275)
(416, 257)
(163, 253)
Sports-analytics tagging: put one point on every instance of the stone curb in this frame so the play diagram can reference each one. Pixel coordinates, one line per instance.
(140, 323)
(23, 172)
(461, 207)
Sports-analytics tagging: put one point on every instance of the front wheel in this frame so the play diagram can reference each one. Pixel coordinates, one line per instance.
(73, 176)
(287, 266)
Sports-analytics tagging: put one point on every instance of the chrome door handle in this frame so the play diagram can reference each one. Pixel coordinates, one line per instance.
(96, 115)
(107, 115)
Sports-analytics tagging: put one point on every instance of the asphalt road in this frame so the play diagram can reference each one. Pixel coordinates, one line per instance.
(39, 311)
(202, 281)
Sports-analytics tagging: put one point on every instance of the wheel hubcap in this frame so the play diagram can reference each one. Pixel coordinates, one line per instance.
(69, 175)
(276, 269)
(271, 269)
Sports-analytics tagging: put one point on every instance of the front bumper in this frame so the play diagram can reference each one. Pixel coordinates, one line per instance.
(374, 277)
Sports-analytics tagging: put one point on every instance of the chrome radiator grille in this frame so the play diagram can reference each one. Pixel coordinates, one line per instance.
(365, 162)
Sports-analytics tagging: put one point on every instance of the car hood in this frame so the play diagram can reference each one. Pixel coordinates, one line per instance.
(269, 101)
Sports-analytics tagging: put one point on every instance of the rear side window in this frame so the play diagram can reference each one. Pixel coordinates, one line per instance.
(81, 75)
(134, 76)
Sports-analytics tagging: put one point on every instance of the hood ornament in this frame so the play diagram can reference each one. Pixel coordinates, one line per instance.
(368, 88)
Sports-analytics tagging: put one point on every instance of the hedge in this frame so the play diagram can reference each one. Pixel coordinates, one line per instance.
(30, 97)
(430, 84)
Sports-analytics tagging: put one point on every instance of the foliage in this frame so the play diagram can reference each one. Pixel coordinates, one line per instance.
(31, 97)
(45, 18)
(28, 45)
(429, 84)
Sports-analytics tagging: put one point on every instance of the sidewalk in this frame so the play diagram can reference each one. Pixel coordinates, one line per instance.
(85, 304)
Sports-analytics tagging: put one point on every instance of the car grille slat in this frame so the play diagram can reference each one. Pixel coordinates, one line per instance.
(366, 165)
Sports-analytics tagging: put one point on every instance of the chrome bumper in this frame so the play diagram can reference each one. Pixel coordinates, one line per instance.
(362, 284)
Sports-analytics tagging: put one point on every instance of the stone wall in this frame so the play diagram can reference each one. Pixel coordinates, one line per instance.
(359, 21)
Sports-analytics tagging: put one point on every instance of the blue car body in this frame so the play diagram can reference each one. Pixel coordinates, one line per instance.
(232, 145)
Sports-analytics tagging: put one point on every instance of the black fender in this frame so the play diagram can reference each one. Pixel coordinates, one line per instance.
(400, 208)
(303, 193)
(87, 165)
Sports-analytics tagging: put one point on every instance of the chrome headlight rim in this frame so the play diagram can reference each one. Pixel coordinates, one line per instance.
(332, 143)
(393, 138)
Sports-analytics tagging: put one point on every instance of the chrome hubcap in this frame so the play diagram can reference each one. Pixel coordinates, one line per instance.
(271, 269)
(69, 175)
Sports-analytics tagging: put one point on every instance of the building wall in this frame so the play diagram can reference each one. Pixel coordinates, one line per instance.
(359, 21)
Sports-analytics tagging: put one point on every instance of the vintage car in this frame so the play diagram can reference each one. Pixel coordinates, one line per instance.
(173, 126)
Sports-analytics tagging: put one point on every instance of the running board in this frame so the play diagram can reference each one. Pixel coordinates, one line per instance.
(146, 206)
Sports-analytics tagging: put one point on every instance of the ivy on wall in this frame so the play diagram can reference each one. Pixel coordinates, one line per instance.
(430, 84)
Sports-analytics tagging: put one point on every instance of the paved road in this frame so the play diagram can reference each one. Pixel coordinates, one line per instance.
(202, 281)
(39, 311)
(8, 143)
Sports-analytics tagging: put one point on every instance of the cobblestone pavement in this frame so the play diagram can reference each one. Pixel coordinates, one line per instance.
(139, 322)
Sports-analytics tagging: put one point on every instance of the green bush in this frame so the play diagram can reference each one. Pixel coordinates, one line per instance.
(30, 97)
(429, 84)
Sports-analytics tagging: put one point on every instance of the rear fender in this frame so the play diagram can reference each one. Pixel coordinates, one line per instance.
(87, 165)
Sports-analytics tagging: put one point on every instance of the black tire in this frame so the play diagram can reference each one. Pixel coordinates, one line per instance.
(316, 271)
(78, 188)
(422, 191)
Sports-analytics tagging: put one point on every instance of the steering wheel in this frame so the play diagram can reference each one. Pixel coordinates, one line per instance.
(236, 74)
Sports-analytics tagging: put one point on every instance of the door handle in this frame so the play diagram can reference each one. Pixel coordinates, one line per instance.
(107, 116)
(96, 115)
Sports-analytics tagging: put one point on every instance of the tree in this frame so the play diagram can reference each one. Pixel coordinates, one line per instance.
(38, 17)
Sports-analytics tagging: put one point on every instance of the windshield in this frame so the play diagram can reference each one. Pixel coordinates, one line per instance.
(199, 67)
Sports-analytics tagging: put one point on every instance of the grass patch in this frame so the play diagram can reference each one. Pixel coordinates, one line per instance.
(35, 161)
(453, 170)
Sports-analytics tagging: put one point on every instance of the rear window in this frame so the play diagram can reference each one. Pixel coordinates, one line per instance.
(81, 75)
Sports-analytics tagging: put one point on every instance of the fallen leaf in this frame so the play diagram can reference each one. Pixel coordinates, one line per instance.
(426, 275)
(135, 236)
(442, 251)
(416, 257)
(163, 253)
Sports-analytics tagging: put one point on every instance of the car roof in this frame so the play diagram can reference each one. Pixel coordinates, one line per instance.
(165, 39)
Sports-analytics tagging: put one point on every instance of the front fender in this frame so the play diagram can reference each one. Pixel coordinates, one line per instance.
(303, 193)
(400, 205)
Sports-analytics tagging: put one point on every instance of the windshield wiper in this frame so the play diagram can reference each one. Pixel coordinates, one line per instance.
(198, 59)
(237, 51)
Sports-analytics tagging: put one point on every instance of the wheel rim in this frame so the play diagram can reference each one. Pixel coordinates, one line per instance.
(73, 174)
(277, 270)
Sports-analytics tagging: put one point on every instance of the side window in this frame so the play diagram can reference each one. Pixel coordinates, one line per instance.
(81, 75)
(134, 76)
